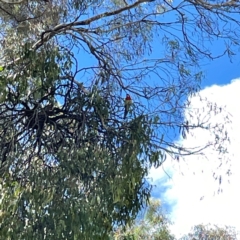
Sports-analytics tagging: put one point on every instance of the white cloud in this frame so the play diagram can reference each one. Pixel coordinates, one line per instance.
(193, 178)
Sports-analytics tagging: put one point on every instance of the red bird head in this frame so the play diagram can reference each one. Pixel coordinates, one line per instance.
(128, 97)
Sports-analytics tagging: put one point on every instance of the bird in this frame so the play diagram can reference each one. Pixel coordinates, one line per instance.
(127, 105)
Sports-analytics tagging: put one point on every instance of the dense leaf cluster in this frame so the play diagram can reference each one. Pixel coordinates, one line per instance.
(72, 167)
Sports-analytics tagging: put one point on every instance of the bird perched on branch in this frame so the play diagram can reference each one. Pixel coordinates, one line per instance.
(127, 105)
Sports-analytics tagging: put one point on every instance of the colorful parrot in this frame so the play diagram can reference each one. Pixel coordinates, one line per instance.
(127, 105)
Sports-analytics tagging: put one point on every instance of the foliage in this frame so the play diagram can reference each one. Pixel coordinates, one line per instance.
(153, 225)
(208, 232)
(71, 166)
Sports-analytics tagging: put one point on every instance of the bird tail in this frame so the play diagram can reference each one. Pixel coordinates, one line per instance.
(125, 113)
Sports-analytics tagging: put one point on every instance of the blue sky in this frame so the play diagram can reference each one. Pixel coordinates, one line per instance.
(221, 71)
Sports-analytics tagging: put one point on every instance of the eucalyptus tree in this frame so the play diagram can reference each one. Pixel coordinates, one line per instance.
(211, 232)
(152, 224)
(71, 166)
